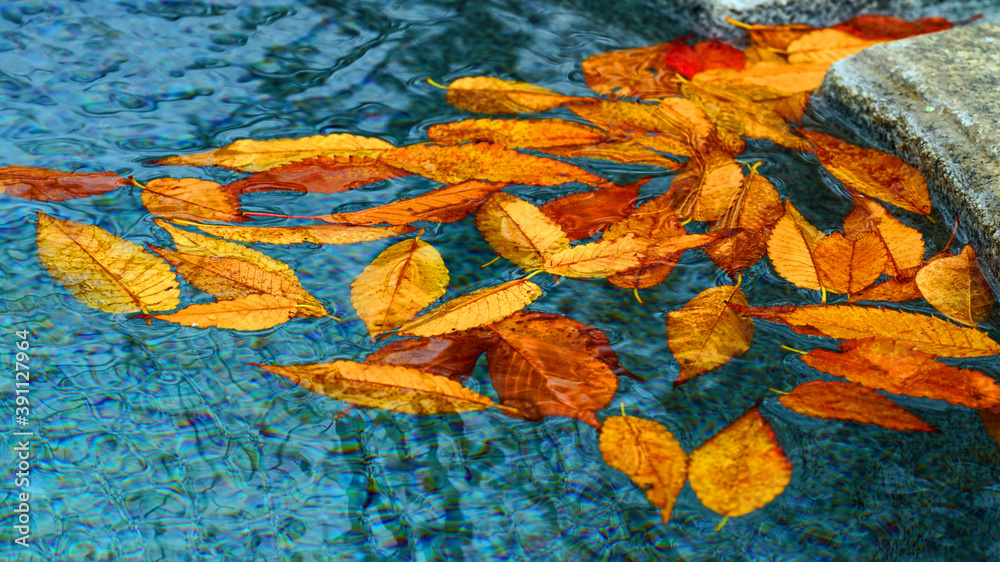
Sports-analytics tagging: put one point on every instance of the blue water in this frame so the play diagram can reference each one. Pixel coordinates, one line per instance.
(160, 443)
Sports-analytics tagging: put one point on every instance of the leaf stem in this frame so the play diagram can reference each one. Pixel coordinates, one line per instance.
(739, 279)
(623, 408)
(508, 408)
(722, 523)
(778, 391)
(136, 182)
(686, 221)
(635, 292)
(489, 263)
(823, 292)
(435, 84)
(787, 348)
(534, 273)
(739, 24)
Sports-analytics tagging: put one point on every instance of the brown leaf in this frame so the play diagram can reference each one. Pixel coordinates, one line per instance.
(845, 401)
(791, 248)
(674, 125)
(849, 266)
(42, 184)
(543, 365)
(900, 368)
(483, 306)
(519, 231)
(707, 186)
(582, 215)
(904, 245)
(336, 234)
(452, 355)
(322, 174)
(991, 422)
(252, 312)
(256, 156)
(443, 205)
(706, 333)
(634, 72)
(957, 288)
(482, 94)
(873, 26)
(191, 199)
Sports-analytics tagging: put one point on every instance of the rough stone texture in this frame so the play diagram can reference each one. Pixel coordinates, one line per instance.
(934, 101)
(708, 17)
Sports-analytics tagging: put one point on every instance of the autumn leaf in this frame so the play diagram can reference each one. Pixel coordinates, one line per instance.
(851, 402)
(706, 333)
(707, 186)
(336, 234)
(519, 231)
(649, 454)
(625, 152)
(545, 365)
(691, 60)
(104, 271)
(790, 108)
(957, 288)
(201, 245)
(873, 173)
(582, 215)
(256, 156)
(873, 26)
(42, 184)
(451, 355)
(656, 222)
(826, 46)
(597, 259)
(767, 80)
(517, 133)
(191, 199)
(755, 210)
(674, 125)
(791, 248)
(399, 283)
(904, 245)
(252, 312)
(891, 290)
(487, 162)
(850, 265)
(637, 72)
(321, 174)
(387, 387)
(231, 278)
(775, 37)
(900, 367)
(741, 468)
(991, 422)
(483, 306)
(482, 94)
(443, 205)
(923, 333)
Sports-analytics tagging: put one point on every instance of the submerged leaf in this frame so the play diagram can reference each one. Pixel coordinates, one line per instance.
(191, 199)
(322, 174)
(451, 355)
(957, 288)
(845, 401)
(656, 222)
(706, 333)
(582, 215)
(482, 94)
(256, 156)
(252, 312)
(477, 308)
(443, 205)
(43, 184)
(637, 72)
(707, 186)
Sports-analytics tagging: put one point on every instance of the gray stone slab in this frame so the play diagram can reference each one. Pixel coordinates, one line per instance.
(934, 101)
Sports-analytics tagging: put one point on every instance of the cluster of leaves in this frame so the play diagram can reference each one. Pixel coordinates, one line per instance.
(697, 101)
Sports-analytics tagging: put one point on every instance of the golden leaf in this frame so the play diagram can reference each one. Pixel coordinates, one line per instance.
(191, 199)
(707, 186)
(656, 222)
(792, 248)
(754, 212)
(252, 312)
(387, 387)
(625, 152)
(443, 205)
(336, 234)
(483, 306)
(596, 259)
(741, 468)
(201, 245)
(321, 174)
(399, 283)
(104, 271)
(519, 231)
(891, 290)
(957, 288)
(634, 72)
(904, 245)
(482, 94)
(707, 332)
(42, 184)
(845, 401)
(517, 133)
(826, 46)
(848, 265)
(766, 81)
(674, 125)
(256, 156)
(649, 454)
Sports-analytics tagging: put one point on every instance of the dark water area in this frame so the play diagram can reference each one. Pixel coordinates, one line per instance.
(160, 443)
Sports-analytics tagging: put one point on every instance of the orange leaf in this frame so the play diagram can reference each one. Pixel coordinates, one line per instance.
(957, 288)
(845, 401)
(707, 186)
(891, 290)
(872, 26)
(597, 259)
(337, 234)
(792, 248)
(519, 231)
(741, 468)
(42, 184)
(582, 215)
(648, 453)
(849, 265)
(482, 94)
(637, 72)
(766, 81)
(488, 162)
(900, 368)
(991, 422)
(826, 46)
(923, 333)
(691, 60)
(322, 174)
(706, 333)
(252, 312)
(443, 205)
(657, 222)
(674, 125)
(874, 173)
(517, 133)
(904, 245)
(790, 108)
(477, 308)
(191, 199)
(756, 209)
(452, 355)
(544, 365)
(775, 36)
(625, 152)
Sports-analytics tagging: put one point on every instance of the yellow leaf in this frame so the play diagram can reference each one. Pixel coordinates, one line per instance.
(596, 259)
(337, 234)
(516, 133)
(191, 199)
(957, 288)
(674, 125)
(256, 156)
(387, 387)
(483, 306)
(904, 244)
(826, 46)
(201, 245)
(707, 186)
(482, 94)
(766, 81)
(400, 282)
(648, 453)
(706, 333)
(252, 312)
(519, 231)
(443, 205)
(104, 271)
(791, 248)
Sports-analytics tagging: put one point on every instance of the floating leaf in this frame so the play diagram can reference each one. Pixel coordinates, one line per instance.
(849, 322)
(519, 231)
(452, 355)
(848, 265)
(201, 245)
(545, 365)
(625, 152)
(517, 133)
(826, 46)
(399, 283)
(691, 60)
(871, 172)
(42, 184)
(104, 271)
(596, 259)
(387, 387)
(873, 26)
(637, 72)
(256, 156)
(900, 368)
(890, 290)
(322, 174)
(582, 215)
(252, 312)
(443, 205)
(707, 186)
(482, 94)
(904, 245)
(488, 162)
(656, 222)
(792, 248)
(774, 36)
(477, 308)
(957, 288)
(337, 234)
(790, 108)
(741, 468)
(648, 453)
(707, 332)
(845, 401)
(766, 81)
(191, 199)
(674, 125)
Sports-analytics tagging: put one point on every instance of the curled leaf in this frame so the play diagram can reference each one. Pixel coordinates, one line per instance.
(707, 332)
(957, 288)
(845, 401)
(43, 184)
